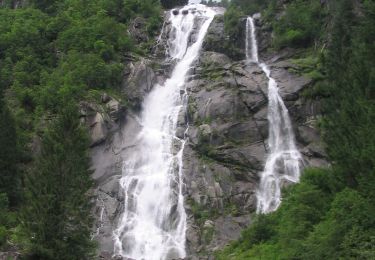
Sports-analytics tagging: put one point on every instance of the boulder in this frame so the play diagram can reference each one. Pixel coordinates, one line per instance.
(214, 59)
(98, 130)
(138, 81)
(115, 110)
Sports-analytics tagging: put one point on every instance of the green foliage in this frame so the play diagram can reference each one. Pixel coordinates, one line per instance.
(10, 179)
(77, 73)
(24, 48)
(3, 219)
(3, 235)
(350, 116)
(249, 7)
(201, 213)
(348, 225)
(46, 6)
(301, 25)
(56, 216)
(70, 47)
(100, 34)
(304, 205)
(231, 44)
(53, 52)
(232, 21)
(8, 221)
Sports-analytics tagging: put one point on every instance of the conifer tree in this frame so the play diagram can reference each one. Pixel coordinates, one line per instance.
(9, 178)
(57, 211)
(350, 110)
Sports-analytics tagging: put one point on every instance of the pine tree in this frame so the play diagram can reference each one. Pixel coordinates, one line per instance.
(57, 209)
(9, 177)
(350, 119)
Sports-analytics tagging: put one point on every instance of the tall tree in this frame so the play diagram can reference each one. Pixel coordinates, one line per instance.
(350, 109)
(9, 177)
(57, 210)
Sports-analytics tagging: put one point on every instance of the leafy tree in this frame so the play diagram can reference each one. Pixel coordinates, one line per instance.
(57, 209)
(301, 24)
(48, 6)
(232, 21)
(250, 7)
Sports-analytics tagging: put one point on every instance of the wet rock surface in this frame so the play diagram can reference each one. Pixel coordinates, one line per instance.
(226, 139)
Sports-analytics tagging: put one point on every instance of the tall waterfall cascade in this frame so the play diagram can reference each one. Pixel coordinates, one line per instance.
(283, 159)
(153, 224)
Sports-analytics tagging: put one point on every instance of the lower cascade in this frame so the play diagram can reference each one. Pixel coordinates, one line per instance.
(283, 161)
(153, 224)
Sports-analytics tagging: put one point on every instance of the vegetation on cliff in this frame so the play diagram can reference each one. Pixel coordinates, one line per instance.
(53, 55)
(56, 215)
(329, 215)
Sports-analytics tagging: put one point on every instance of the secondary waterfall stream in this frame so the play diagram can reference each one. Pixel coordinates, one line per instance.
(153, 224)
(283, 160)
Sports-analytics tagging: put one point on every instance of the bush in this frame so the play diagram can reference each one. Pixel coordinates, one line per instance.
(249, 7)
(232, 21)
(301, 24)
(3, 236)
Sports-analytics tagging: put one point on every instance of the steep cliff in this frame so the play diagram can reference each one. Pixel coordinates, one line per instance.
(228, 130)
(227, 133)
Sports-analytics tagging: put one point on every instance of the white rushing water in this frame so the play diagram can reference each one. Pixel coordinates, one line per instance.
(283, 159)
(153, 224)
(251, 42)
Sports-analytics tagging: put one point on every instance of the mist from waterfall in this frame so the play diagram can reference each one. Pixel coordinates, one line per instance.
(153, 224)
(283, 158)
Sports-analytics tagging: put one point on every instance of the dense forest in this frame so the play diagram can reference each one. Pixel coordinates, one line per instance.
(54, 54)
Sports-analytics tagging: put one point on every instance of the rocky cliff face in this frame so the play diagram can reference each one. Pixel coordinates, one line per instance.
(227, 133)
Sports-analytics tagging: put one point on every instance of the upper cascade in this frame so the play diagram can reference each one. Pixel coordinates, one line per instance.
(251, 41)
(153, 224)
(284, 159)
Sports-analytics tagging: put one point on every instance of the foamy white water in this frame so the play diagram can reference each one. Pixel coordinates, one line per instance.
(283, 160)
(251, 42)
(153, 224)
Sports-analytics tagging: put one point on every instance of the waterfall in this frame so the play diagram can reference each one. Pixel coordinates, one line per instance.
(283, 159)
(153, 224)
(251, 53)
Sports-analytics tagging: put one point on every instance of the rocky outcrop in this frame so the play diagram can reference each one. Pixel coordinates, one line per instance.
(226, 139)
(107, 158)
(102, 118)
(218, 41)
(139, 78)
